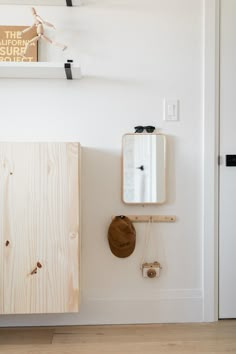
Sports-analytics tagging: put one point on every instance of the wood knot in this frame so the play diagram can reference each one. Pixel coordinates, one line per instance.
(73, 235)
(7, 243)
(34, 271)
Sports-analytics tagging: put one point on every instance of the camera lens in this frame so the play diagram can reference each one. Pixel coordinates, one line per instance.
(151, 273)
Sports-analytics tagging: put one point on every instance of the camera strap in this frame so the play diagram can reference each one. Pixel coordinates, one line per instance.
(146, 240)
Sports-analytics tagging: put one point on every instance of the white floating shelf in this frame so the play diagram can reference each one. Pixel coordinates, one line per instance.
(37, 70)
(40, 2)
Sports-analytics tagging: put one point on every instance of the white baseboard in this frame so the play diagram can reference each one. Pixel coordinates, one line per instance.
(170, 306)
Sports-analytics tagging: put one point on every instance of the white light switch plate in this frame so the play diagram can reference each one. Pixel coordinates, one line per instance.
(171, 110)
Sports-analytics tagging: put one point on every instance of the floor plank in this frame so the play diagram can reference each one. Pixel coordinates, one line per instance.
(25, 336)
(218, 338)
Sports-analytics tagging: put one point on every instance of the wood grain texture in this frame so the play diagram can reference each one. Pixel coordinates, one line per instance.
(39, 228)
(204, 338)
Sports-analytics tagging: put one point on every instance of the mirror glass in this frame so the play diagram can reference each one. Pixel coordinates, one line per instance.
(144, 168)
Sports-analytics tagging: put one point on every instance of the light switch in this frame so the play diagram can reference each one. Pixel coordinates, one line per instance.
(171, 110)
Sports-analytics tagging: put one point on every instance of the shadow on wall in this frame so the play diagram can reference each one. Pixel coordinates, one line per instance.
(101, 180)
(101, 198)
(170, 170)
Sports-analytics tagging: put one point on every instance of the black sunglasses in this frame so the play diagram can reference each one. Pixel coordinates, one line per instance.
(148, 128)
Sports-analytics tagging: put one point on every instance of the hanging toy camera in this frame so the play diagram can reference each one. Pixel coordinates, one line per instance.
(151, 270)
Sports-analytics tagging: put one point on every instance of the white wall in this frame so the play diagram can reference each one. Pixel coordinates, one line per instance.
(132, 54)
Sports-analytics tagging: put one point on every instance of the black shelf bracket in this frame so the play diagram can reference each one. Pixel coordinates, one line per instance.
(68, 71)
(69, 3)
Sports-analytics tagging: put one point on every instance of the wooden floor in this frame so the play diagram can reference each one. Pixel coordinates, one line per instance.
(219, 337)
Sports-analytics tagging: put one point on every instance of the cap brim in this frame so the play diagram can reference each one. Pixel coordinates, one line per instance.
(122, 253)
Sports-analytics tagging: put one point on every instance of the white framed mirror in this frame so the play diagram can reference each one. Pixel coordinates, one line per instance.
(144, 168)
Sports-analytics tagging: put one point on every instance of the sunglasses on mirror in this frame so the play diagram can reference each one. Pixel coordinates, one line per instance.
(148, 128)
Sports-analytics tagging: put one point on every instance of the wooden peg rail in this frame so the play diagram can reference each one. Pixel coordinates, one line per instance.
(152, 218)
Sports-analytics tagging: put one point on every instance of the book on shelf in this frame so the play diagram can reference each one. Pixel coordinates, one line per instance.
(13, 43)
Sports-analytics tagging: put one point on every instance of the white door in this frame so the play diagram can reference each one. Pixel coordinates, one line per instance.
(227, 206)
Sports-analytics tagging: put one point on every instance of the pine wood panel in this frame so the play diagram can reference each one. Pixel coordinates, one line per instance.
(39, 227)
(202, 338)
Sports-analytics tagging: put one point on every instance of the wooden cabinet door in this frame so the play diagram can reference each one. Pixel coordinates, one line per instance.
(39, 228)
